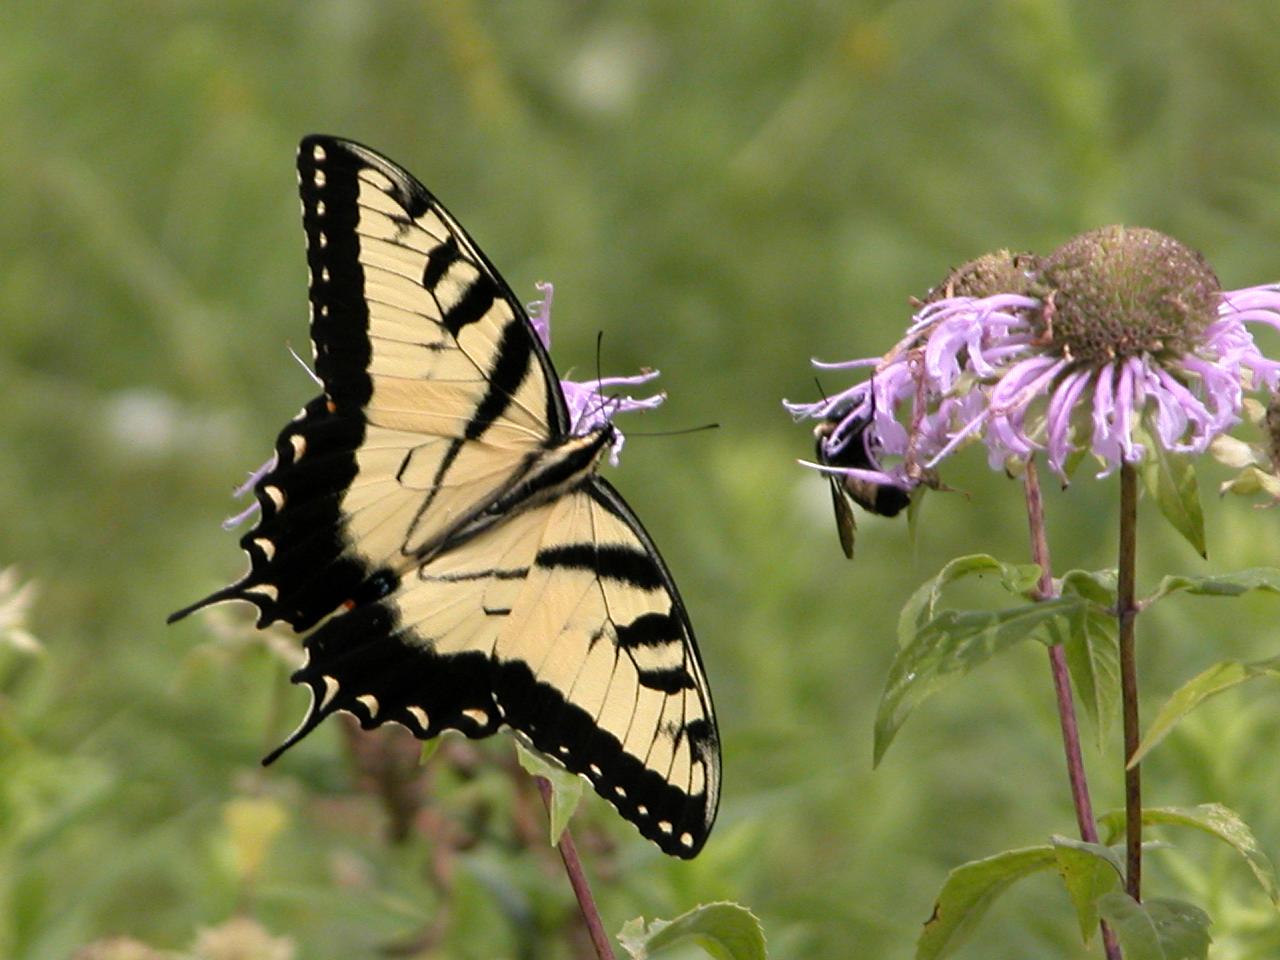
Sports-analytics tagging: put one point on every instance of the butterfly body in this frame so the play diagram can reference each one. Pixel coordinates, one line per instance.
(438, 520)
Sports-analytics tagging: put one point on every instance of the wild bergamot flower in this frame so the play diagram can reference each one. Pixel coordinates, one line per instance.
(590, 407)
(1120, 339)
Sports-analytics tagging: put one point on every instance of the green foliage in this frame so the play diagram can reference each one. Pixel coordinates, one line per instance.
(566, 788)
(1217, 821)
(1091, 643)
(1156, 929)
(968, 893)
(1266, 579)
(950, 646)
(920, 609)
(1171, 479)
(724, 931)
(937, 648)
(1088, 870)
(1208, 683)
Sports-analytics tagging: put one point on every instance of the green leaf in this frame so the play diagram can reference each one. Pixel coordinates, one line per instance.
(1171, 479)
(948, 647)
(566, 787)
(1089, 870)
(1217, 821)
(969, 890)
(1217, 678)
(1157, 929)
(429, 748)
(1219, 585)
(1183, 928)
(1092, 649)
(920, 609)
(1072, 463)
(1133, 926)
(1097, 586)
(725, 931)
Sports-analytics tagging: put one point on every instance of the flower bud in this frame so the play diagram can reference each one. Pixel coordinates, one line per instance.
(1000, 272)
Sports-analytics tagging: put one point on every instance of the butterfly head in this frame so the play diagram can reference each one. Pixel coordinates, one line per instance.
(592, 408)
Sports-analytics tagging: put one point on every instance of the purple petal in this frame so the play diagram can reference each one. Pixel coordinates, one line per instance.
(1058, 418)
(540, 312)
(1104, 443)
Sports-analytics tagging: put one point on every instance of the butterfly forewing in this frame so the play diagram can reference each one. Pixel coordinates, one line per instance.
(433, 510)
(436, 393)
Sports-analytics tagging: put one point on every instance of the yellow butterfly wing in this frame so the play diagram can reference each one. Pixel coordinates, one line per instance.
(433, 508)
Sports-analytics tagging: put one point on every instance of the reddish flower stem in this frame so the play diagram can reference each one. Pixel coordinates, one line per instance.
(578, 880)
(1045, 590)
(1126, 614)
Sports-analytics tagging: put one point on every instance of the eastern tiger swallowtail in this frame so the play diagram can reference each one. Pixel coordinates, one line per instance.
(855, 449)
(440, 517)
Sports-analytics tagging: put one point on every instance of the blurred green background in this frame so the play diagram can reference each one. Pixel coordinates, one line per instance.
(721, 189)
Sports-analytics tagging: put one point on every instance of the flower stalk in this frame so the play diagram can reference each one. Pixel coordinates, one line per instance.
(578, 881)
(1045, 590)
(1126, 614)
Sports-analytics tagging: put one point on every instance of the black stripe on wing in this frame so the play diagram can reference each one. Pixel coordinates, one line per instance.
(655, 629)
(366, 661)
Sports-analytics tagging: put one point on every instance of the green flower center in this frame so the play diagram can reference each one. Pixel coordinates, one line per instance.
(1119, 292)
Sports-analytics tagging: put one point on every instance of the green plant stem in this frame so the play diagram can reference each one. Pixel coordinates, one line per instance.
(578, 880)
(1126, 613)
(1045, 590)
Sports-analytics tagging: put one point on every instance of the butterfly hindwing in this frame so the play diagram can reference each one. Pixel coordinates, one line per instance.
(564, 625)
(618, 693)
(434, 514)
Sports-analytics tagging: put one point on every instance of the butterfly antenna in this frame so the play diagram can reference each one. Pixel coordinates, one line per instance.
(673, 433)
(599, 349)
(604, 401)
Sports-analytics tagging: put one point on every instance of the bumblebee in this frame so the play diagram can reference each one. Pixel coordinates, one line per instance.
(858, 451)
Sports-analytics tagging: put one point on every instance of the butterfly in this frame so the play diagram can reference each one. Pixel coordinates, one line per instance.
(856, 449)
(437, 520)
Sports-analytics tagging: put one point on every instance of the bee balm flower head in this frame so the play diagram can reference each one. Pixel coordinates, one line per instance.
(1120, 339)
